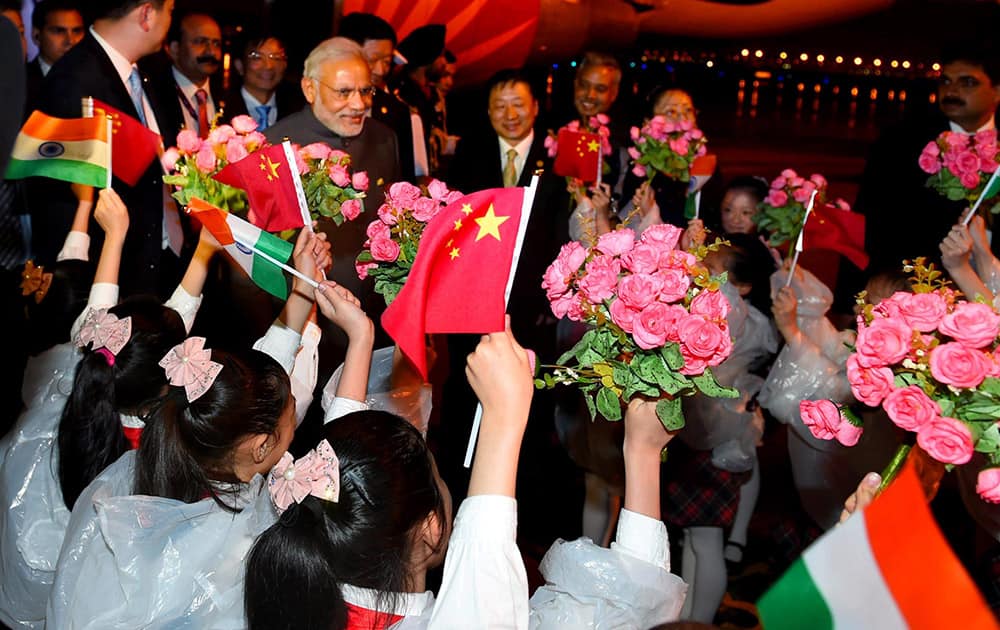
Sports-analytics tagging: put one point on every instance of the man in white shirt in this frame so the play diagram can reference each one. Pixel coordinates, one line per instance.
(194, 45)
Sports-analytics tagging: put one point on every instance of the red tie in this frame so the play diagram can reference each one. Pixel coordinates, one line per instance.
(202, 97)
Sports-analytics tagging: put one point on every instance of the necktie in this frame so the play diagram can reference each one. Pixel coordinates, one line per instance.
(202, 97)
(135, 91)
(262, 113)
(510, 170)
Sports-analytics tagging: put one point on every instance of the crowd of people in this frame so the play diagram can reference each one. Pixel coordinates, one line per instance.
(181, 448)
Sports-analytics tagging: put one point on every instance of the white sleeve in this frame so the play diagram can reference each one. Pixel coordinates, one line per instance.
(305, 371)
(341, 407)
(484, 583)
(102, 295)
(281, 343)
(643, 538)
(186, 306)
(75, 247)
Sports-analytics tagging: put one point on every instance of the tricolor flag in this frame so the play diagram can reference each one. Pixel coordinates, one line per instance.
(71, 149)
(579, 155)
(700, 172)
(888, 567)
(249, 246)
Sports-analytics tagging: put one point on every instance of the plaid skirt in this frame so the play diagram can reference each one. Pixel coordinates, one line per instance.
(694, 493)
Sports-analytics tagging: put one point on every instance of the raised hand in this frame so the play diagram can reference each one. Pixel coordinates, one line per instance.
(111, 213)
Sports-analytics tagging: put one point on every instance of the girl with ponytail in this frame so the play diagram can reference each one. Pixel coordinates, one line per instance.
(366, 514)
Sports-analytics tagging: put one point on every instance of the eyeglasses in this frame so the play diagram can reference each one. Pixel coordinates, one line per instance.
(255, 57)
(345, 94)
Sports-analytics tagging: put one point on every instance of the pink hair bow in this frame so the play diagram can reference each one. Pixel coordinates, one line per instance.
(189, 365)
(104, 330)
(316, 473)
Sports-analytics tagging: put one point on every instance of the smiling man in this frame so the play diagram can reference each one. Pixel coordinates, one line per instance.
(194, 45)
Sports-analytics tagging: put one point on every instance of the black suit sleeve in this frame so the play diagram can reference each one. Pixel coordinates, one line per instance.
(12, 84)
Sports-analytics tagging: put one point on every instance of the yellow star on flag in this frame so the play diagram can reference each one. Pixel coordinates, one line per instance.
(453, 253)
(489, 224)
(458, 225)
(593, 146)
(267, 165)
(466, 209)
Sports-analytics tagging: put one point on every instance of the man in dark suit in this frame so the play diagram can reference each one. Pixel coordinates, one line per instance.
(263, 94)
(378, 42)
(905, 219)
(56, 26)
(508, 154)
(103, 66)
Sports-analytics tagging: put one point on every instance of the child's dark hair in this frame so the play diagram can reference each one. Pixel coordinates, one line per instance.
(50, 318)
(186, 446)
(748, 261)
(388, 488)
(754, 186)
(90, 430)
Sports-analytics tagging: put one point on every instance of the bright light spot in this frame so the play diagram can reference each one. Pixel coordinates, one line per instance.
(803, 57)
(820, 58)
(854, 91)
(758, 53)
(894, 63)
(839, 59)
(858, 61)
(782, 55)
(934, 66)
(709, 63)
(745, 52)
(877, 63)
(906, 64)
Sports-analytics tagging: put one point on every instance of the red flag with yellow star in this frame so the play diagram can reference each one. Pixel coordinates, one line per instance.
(461, 272)
(839, 230)
(267, 177)
(579, 155)
(133, 145)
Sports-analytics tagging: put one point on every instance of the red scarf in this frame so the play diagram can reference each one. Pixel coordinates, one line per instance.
(359, 618)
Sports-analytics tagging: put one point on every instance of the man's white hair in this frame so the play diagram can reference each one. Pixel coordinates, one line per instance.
(333, 49)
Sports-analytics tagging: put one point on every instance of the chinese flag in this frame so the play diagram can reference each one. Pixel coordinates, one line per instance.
(267, 177)
(579, 155)
(133, 145)
(842, 231)
(460, 273)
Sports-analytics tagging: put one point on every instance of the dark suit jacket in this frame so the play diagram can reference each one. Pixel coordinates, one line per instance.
(288, 100)
(395, 114)
(86, 70)
(161, 82)
(34, 76)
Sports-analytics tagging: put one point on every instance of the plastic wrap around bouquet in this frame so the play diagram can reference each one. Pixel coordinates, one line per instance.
(394, 236)
(658, 317)
(961, 166)
(929, 359)
(666, 147)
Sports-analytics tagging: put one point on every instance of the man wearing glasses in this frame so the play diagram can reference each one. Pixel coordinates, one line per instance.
(264, 94)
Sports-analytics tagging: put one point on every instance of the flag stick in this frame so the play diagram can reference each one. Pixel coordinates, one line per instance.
(111, 131)
(982, 196)
(529, 198)
(87, 102)
(697, 203)
(300, 194)
(274, 261)
(798, 241)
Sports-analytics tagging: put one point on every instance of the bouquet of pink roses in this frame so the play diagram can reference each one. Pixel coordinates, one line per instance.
(658, 317)
(192, 163)
(784, 209)
(930, 360)
(331, 190)
(394, 236)
(662, 146)
(959, 165)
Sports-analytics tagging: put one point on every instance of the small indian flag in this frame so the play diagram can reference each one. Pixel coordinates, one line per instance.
(73, 150)
(260, 254)
(887, 567)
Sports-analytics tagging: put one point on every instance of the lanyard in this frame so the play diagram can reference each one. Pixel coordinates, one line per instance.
(187, 103)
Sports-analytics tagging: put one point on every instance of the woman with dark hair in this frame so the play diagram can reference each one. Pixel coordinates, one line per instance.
(159, 538)
(365, 515)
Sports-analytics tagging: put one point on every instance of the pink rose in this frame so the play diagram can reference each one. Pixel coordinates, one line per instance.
(377, 229)
(351, 209)
(947, 440)
(188, 141)
(676, 283)
(639, 170)
(818, 180)
(404, 194)
(639, 290)
(364, 268)
(616, 242)
(967, 162)
(986, 138)
(970, 179)
(664, 235)
(622, 315)
(425, 209)
(600, 279)
(776, 198)
(989, 165)
(842, 205)
(568, 306)
(437, 189)
(634, 133)
(883, 342)
(385, 250)
(869, 385)
(254, 140)
(316, 151)
(220, 135)
(801, 194)
(929, 163)
(642, 258)
(205, 160)
(571, 256)
(573, 125)
(676, 259)
(825, 422)
(958, 365)
(235, 151)
(702, 339)
(924, 311)
(789, 174)
(910, 408)
(973, 324)
(651, 325)
(243, 124)
(778, 183)
(340, 157)
(555, 281)
(988, 485)
(551, 146)
(387, 214)
(300, 163)
(602, 119)
(634, 153)
(679, 146)
(170, 158)
(696, 134)
(955, 140)
(339, 175)
(359, 181)
(712, 304)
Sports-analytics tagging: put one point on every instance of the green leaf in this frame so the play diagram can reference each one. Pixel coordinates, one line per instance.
(539, 383)
(622, 375)
(671, 353)
(609, 404)
(707, 384)
(991, 386)
(639, 387)
(669, 411)
(989, 441)
(591, 407)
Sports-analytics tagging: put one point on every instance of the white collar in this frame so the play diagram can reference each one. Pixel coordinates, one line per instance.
(44, 65)
(406, 605)
(253, 102)
(990, 124)
(121, 63)
(521, 147)
(132, 422)
(187, 86)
